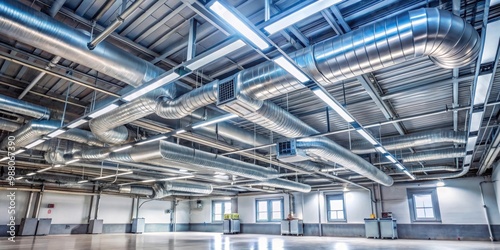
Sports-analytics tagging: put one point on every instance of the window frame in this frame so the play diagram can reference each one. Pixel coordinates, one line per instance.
(331, 196)
(411, 192)
(222, 202)
(269, 211)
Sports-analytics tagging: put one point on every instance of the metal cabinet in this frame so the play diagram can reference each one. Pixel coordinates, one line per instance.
(231, 226)
(28, 226)
(95, 227)
(138, 225)
(43, 227)
(372, 228)
(388, 228)
(292, 227)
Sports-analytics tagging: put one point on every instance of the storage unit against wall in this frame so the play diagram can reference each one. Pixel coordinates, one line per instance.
(388, 228)
(292, 227)
(372, 228)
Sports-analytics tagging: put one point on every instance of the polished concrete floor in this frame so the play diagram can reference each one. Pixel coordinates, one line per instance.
(215, 241)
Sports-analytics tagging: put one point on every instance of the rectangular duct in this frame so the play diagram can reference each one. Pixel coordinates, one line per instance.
(287, 152)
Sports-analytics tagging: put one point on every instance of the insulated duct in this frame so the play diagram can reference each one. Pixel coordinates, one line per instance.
(10, 126)
(35, 129)
(23, 108)
(24, 24)
(199, 188)
(310, 166)
(137, 190)
(435, 155)
(413, 140)
(177, 153)
(109, 127)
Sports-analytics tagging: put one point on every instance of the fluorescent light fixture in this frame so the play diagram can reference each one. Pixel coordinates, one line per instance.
(104, 110)
(183, 170)
(37, 142)
(345, 189)
(83, 181)
(482, 86)
(152, 140)
(56, 133)
(471, 143)
(476, 121)
(122, 148)
(4, 159)
(334, 105)
(410, 175)
(238, 25)
(300, 15)
(20, 178)
(381, 150)
(156, 84)
(368, 137)
(440, 184)
(400, 166)
(30, 174)
(467, 159)
(58, 165)
(391, 158)
(43, 170)
(77, 123)
(180, 131)
(113, 175)
(72, 161)
(491, 40)
(290, 68)
(19, 151)
(177, 178)
(200, 62)
(146, 181)
(214, 121)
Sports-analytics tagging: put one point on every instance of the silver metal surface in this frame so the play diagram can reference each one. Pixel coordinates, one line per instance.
(23, 108)
(435, 155)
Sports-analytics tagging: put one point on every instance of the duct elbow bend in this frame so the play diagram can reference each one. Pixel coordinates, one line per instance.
(448, 40)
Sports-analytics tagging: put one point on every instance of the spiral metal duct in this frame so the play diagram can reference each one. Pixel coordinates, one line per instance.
(10, 126)
(323, 148)
(186, 187)
(23, 108)
(138, 190)
(285, 184)
(310, 166)
(435, 155)
(414, 140)
(177, 153)
(35, 129)
(29, 26)
(109, 127)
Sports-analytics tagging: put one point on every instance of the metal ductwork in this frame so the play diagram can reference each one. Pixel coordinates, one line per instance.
(435, 155)
(35, 129)
(21, 107)
(310, 166)
(109, 127)
(10, 126)
(137, 190)
(285, 184)
(177, 153)
(199, 188)
(413, 140)
(29, 26)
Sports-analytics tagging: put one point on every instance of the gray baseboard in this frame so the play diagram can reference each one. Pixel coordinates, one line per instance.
(206, 227)
(5, 228)
(260, 228)
(68, 228)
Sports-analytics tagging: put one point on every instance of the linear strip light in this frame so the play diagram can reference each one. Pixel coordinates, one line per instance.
(43, 170)
(367, 136)
(232, 20)
(113, 175)
(163, 80)
(19, 151)
(180, 131)
(476, 121)
(152, 140)
(72, 161)
(467, 159)
(400, 166)
(471, 143)
(122, 148)
(37, 142)
(104, 110)
(381, 150)
(82, 181)
(56, 133)
(290, 68)
(410, 175)
(4, 159)
(214, 121)
(333, 104)
(299, 15)
(177, 178)
(483, 83)
(77, 123)
(391, 158)
(146, 181)
(204, 60)
(30, 174)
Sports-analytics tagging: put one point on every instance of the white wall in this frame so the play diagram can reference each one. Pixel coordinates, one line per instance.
(21, 201)
(459, 201)
(182, 212)
(154, 211)
(115, 209)
(246, 206)
(496, 184)
(68, 209)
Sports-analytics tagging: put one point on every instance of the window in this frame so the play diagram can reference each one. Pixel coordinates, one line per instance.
(424, 204)
(335, 207)
(269, 210)
(219, 208)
